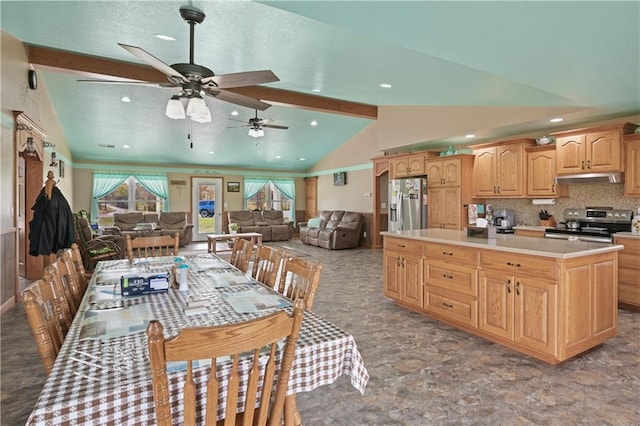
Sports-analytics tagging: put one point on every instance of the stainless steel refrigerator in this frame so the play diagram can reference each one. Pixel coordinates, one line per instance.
(407, 204)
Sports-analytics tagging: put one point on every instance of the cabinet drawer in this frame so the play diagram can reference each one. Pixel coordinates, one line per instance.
(529, 266)
(458, 278)
(631, 245)
(455, 254)
(403, 245)
(454, 306)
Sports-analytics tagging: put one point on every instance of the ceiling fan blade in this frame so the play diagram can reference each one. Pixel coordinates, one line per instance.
(275, 126)
(137, 83)
(241, 79)
(237, 99)
(237, 127)
(147, 57)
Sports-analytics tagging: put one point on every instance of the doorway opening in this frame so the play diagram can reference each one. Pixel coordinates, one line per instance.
(206, 207)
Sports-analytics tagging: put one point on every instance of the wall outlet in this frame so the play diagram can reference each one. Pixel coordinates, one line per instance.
(365, 234)
(383, 205)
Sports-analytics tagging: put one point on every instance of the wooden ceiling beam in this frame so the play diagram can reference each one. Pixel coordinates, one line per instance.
(99, 67)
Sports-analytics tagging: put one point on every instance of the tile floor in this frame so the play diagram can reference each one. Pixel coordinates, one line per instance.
(422, 372)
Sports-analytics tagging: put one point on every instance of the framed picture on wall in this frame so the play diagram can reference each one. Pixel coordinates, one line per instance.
(61, 163)
(233, 186)
(340, 178)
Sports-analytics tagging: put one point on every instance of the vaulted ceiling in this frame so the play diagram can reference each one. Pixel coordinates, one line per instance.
(582, 58)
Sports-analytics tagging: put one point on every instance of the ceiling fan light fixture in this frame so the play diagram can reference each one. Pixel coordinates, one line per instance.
(198, 111)
(175, 109)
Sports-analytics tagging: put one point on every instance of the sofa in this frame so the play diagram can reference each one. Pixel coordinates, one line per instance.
(333, 229)
(269, 223)
(166, 223)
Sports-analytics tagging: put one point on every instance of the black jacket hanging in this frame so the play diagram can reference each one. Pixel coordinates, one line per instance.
(52, 226)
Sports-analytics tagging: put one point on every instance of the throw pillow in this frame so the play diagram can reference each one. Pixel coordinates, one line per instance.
(314, 222)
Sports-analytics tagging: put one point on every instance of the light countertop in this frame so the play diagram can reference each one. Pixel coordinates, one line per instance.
(547, 247)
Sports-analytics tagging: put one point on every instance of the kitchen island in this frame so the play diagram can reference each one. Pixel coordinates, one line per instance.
(551, 299)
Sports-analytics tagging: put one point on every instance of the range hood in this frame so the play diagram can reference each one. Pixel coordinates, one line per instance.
(591, 178)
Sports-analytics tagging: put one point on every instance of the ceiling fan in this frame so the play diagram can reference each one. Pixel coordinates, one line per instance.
(257, 124)
(195, 80)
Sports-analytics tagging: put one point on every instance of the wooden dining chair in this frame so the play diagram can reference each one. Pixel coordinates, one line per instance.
(242, 342)
(299, 278)
(165, 245)
(82, 274)
(241, 254)
(266, 265)
(43, 315)
(63, 280)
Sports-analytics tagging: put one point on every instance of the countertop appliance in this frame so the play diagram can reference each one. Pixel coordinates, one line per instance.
(504, 220)
(595, 225)
(407, 204)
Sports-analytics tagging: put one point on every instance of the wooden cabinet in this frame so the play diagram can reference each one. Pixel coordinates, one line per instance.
(632, 166)
(450, 192)
(518, 308)
(403, 271)
(500, 171)
(629, 272)
(541, 172)
(444, 172)
(408, 166)
(594, 150)
(311, 190)
(529, 233)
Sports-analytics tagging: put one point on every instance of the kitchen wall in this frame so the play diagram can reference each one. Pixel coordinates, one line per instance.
(580, 196)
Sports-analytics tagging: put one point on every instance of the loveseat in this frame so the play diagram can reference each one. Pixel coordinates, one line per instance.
(333, 229)
(166, 223)
(269, 223)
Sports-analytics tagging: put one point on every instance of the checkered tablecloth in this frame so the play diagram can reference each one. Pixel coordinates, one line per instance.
(108, 381)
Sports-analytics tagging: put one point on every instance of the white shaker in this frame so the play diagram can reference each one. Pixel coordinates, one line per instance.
(182, 273)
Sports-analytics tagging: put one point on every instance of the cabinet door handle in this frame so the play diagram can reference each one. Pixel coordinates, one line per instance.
(517, 265)
(553, 188)
(400, 245)
(398, 262)
(447, 276)
(509, 286)
(588, 164)
(518, 288)
(447, 305)
(498, 189)
(447, 253)
(494, 190)
(582, 164)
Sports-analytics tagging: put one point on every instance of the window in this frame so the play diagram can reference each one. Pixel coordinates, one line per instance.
(270, 194)
(130, 195)
(269, 198)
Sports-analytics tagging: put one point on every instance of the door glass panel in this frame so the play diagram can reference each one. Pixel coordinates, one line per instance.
(206, 198)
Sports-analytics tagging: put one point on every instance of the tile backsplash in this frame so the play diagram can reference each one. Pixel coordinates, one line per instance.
(580, 196)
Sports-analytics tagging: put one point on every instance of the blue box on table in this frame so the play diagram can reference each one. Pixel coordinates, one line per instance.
(140, 284)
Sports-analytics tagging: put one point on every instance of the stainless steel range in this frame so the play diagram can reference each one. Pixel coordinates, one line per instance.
(591, 224)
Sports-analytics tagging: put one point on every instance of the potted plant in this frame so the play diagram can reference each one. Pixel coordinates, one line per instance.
(233, 228)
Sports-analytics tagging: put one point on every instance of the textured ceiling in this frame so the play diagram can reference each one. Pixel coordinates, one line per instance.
(583, 56)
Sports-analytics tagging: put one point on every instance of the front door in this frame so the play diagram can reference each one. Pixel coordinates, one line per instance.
(206, 205)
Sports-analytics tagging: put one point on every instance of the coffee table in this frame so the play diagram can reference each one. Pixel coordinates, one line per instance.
(212, 239)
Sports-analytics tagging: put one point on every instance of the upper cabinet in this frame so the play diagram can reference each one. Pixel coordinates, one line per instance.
(632, 169)
(444, 171)
(593, 150)
(541, 172)
(448, 190)
(500, 170)
(408, 166)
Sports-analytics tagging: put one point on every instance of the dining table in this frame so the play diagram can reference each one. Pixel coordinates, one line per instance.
(102, 374)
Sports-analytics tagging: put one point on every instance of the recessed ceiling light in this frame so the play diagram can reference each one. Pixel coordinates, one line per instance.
(211, 152)
(125, 99)
(470, 135)
(299, 158)
(385, 85)
(234, 112)
(164, 37)
(556, 120)
(278, 157)
(314, 123)
(126, 146)
(315, 90)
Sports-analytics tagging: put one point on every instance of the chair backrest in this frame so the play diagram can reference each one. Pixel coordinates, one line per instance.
(76, 259)
(241, 254)
(64, 281)
(40, 306)
(164, 245)
(299, 278)
(266, 265)
(242, 342)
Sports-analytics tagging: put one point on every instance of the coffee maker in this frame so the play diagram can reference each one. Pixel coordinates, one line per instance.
(504, 220)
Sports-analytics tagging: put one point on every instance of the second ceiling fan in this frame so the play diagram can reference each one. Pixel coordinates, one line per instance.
(257, 124)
